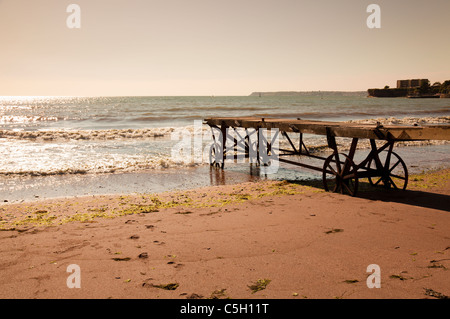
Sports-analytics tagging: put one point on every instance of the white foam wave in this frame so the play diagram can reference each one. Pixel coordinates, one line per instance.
(22, 119)
(59, 152)
(110, 134)
(405, 120)
(120, 134)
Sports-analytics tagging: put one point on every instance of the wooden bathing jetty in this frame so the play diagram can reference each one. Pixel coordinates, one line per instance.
(340, 173)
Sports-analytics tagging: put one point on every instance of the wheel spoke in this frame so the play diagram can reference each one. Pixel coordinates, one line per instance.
(378, 181)
(397, 176)
(348, 189)
(352, 175)
(392, 182)
(332, 170)
(335, 186)
(392, 168)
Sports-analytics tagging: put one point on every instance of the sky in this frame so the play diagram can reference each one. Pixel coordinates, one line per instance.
(212, 47)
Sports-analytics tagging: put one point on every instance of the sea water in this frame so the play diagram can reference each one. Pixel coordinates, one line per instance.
(63, 136)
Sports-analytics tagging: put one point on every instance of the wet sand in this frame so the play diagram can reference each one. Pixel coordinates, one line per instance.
(258, 239)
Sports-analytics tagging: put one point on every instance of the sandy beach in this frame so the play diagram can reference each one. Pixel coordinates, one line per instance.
(264, 239)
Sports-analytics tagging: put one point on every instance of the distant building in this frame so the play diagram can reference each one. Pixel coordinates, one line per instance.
(411, 84)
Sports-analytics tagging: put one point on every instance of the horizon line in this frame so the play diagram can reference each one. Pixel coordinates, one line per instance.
(181, 95)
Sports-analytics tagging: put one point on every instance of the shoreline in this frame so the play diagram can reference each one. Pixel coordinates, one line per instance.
(26, 188)
(218, 241)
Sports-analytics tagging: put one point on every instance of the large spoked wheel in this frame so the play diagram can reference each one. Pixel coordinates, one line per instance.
(340, 175)
(394, 173)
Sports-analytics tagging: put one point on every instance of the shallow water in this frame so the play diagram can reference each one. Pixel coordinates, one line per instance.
(59, 146)
(31, 188)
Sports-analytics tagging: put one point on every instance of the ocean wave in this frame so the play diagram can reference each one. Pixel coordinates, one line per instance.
(8, 119)
(61, 152)
(120, 134)
(160, 118)
(405, 120)
(225, 108)
(340, 114)
(58, 135)
(99, 166)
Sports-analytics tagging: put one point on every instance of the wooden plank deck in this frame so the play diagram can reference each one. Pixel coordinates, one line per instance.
(339, 129)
